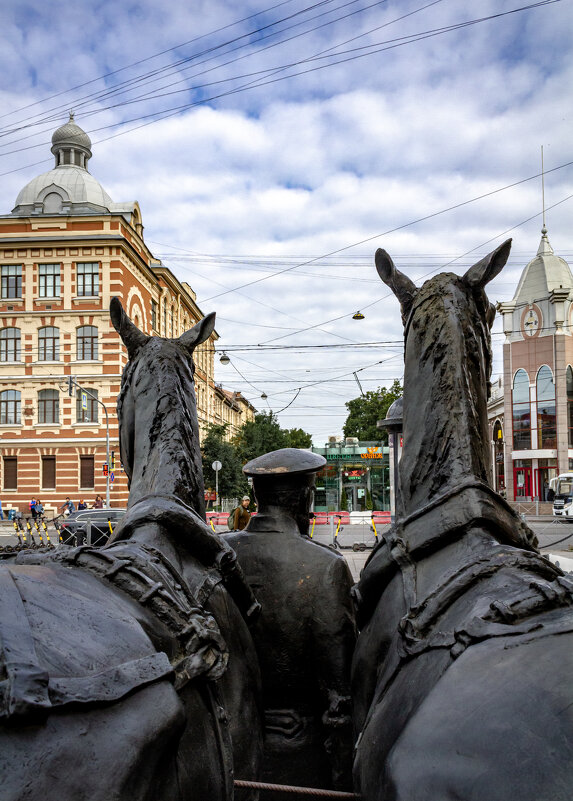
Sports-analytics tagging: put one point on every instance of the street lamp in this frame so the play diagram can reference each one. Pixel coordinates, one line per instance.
(224, 358)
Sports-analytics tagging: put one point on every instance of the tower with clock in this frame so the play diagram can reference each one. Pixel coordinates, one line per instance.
(533, 438)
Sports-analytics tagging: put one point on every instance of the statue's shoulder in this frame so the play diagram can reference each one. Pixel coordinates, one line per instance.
(324, 550)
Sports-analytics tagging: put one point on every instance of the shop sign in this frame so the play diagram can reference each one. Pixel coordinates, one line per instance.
(372, 453)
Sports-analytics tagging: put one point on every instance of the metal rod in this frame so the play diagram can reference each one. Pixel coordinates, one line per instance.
(287, 788)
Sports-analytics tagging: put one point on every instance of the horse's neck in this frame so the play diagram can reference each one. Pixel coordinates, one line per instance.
(166, 452)
(445, 418)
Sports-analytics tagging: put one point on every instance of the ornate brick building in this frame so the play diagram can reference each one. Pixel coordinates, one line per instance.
(531, 414)
(65, 250)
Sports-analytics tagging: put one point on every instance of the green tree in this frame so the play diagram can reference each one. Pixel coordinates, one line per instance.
(366, 410)
(297, 438)
(258, 436)
(343, 501)
(232, 481)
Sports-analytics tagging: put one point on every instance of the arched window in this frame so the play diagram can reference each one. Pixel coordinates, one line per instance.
(48, 406)
(521, 412)
(570, 404)
(49, 344)
(546, 421)
(172, 334)
(86, 343)
(10, 345)
(9, 407)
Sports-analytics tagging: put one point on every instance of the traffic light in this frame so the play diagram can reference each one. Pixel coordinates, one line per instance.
(105, 469)
(71, 386)
(112, 461)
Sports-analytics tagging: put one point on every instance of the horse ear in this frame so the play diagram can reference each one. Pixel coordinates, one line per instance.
(486, 270)
(132, 337)
(404, 289)
(199, 333)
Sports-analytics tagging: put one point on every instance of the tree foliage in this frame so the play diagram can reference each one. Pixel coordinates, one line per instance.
(297, 438)
(366, 410)
(258, 436)
(232, 481)
(254, 438)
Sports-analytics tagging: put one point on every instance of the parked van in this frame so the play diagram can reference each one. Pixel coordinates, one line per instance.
(562, 486)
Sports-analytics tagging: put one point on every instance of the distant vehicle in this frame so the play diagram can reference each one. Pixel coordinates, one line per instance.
(562, 486)
(74, 528)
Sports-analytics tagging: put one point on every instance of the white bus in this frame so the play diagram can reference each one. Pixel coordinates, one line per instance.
(562, 487)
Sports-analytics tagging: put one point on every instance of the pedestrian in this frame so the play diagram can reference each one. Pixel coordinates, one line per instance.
(39, 508)
(305, 634)
(241, 515)
(1, 512)
(82, 505)
(68, 507)
(98, 503)
(32, 505)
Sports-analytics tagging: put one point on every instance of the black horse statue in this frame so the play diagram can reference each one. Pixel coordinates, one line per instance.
(128, 673)
(462, 672)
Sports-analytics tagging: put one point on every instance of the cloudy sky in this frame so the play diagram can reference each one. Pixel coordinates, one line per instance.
(273, 148)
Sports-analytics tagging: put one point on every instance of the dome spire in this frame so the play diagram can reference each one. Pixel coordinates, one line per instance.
(544, 246)
(71, 145)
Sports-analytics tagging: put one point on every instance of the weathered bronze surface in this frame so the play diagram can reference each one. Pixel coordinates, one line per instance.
(305, 634)
(462, 672)
(129, 672)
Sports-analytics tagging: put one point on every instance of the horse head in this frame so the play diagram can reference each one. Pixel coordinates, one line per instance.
(159, 436)
(474, 281)
(447, 323)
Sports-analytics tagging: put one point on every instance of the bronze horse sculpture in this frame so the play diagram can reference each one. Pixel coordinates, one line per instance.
(462, 672)
(128, 673)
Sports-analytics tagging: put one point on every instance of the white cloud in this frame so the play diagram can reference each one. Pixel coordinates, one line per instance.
(271, 177)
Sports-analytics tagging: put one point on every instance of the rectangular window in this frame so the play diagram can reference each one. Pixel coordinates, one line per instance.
(154, 315)
(49, 280)
(88, 279)
(10, 464)
(90, 413)
(11, 281)
(48, 472)
(87, 472)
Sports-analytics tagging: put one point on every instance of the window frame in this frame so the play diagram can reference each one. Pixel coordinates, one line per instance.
(10, 406)
(519, 431)
(92, 284)
(92, 338)
(11, 282)
(12, 460)
(92, 411)
(44, 348)
(16, 347)
(43, 281)
(48, 406)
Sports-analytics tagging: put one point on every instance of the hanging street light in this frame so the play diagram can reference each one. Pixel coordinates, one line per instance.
(224, 358)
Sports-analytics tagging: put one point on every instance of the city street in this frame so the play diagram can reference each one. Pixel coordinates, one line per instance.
(356, 541)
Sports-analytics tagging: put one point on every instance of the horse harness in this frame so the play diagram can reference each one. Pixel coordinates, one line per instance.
(543, 589)
(146, 576)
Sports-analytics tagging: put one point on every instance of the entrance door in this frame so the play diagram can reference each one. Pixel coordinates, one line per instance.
(356, 497)
(522, 482)
(543, 477)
